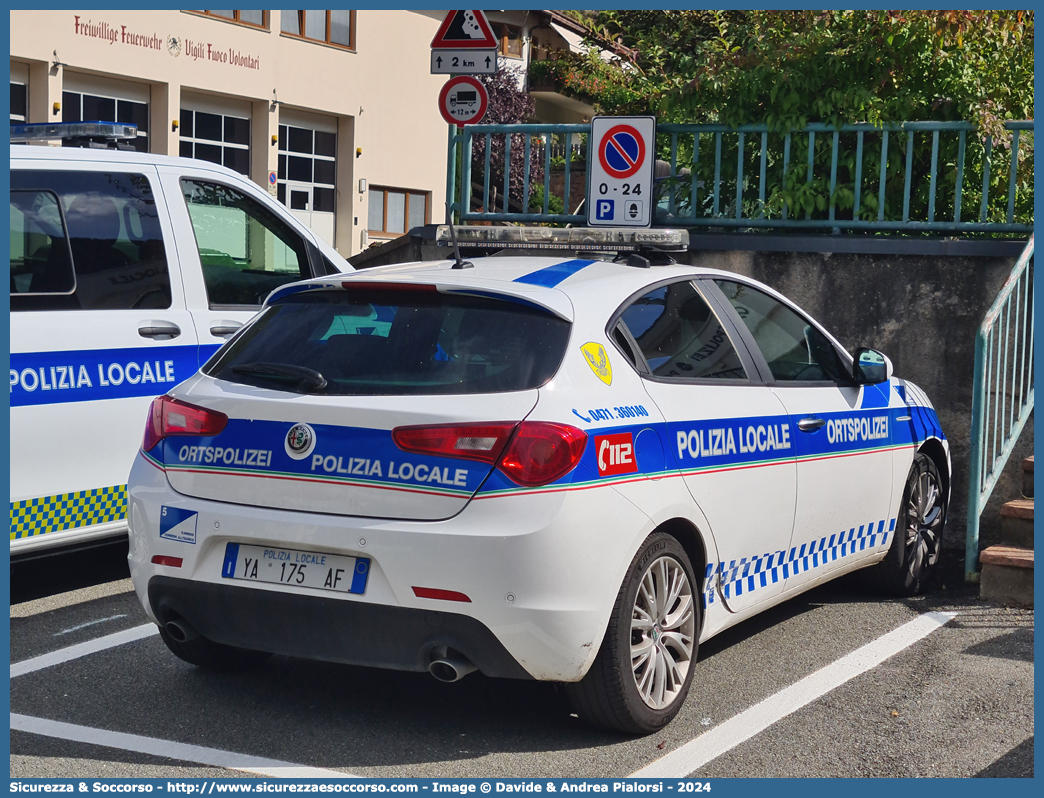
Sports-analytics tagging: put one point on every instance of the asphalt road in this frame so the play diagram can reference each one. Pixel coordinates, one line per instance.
(956, 703)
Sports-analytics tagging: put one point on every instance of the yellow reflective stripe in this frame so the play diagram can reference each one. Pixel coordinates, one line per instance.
(34, 517)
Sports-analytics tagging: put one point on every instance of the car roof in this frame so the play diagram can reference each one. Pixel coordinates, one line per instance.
(556, 283)
(29, 153)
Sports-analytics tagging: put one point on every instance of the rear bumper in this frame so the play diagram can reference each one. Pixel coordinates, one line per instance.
(399, 638)
(540, 571)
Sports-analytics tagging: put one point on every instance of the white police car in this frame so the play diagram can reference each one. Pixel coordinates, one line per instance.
(542, 468)
(128, 271)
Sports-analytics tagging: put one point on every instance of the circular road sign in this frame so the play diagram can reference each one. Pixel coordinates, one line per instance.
(621, 151)
(463, 100)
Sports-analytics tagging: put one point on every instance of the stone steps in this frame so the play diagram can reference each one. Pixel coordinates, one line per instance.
(1007, 569)
(1007, 575)
(1017, 523)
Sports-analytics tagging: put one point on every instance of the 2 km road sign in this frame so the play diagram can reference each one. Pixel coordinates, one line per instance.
(463, 62)
(620, 187)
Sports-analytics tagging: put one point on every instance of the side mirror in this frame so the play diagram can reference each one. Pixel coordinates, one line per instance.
(870, 366)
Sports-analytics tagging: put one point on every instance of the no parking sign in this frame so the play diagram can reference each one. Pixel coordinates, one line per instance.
(620, 187)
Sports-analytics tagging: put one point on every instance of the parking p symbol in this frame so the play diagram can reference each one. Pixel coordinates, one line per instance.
(605, 210)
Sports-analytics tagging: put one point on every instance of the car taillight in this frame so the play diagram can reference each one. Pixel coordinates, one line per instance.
(169, 416)
(541, 452)
(482, 442)
(536, 452)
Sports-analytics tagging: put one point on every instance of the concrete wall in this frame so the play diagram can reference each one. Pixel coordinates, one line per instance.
(921, 310)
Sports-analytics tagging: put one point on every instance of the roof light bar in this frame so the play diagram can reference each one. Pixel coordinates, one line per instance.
(62, 131)
(577, 239)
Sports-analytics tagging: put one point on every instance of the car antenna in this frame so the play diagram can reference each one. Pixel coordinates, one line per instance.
(460, 264)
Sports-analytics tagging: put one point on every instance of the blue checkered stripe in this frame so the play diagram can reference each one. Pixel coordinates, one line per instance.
(744, 576)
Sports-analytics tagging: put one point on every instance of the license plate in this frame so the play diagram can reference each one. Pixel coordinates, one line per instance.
(296, 568)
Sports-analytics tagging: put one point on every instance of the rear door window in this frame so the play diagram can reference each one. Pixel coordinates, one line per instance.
(41, 260)
(246, 251)
(680, 336)
(113, 238)
(368, 342)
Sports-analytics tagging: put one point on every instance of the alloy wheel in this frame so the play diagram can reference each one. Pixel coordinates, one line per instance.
(924, 521)
(663, 627)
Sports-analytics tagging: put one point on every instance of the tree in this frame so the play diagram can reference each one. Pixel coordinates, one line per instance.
(509, 104)
(789, 68)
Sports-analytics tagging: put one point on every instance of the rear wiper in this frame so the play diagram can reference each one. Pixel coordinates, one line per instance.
(309, 378)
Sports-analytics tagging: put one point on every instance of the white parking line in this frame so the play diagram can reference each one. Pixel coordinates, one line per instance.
(78, 627)
(83, 649)
(214, 757)
(698, 752)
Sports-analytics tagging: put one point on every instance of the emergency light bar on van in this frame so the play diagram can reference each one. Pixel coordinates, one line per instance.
(63, 131)
(571, 238)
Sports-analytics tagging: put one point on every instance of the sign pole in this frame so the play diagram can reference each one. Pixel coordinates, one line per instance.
(451, 174)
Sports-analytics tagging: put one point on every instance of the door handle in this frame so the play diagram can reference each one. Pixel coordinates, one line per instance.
(810, 424)
(225, 329)
(158, 329)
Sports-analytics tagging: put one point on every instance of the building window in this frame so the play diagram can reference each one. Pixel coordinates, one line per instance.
(510, 39)
(77, 107)
(218, 138)
(255, 19)
(307, 159)
(331, 27)
(393, 211)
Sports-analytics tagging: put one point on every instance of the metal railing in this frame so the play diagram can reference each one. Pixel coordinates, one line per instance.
(536, 143)
(1002, 393)
(906, 177)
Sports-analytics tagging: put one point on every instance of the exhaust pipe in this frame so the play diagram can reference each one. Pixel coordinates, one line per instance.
(451, 668)
(180, 630)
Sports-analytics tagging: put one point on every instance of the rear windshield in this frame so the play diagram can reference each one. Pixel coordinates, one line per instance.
(367, 342)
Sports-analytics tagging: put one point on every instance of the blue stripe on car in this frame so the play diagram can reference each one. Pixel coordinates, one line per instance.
(551, 276)
(86, 375)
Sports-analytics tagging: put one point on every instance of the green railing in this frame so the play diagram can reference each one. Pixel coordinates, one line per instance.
(1002, 393)
(906, 177)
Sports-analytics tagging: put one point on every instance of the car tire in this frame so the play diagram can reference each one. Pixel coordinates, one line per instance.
(908, 567)
(213, 656)
(657, 613)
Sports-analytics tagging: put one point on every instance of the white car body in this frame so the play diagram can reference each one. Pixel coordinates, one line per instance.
(764, 510)
(85, 377)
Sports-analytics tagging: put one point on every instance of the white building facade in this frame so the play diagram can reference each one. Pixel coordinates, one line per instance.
(334, 112)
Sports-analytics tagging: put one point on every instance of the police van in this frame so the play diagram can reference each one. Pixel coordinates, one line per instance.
(128, 270)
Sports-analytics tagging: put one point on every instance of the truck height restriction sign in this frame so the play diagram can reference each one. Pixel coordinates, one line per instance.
(620, 190)
(463, 100)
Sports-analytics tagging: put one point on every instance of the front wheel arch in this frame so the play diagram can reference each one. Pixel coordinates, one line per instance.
(934, 449)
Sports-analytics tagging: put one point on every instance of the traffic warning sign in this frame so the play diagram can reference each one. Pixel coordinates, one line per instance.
(465, 29)
(620, 185)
